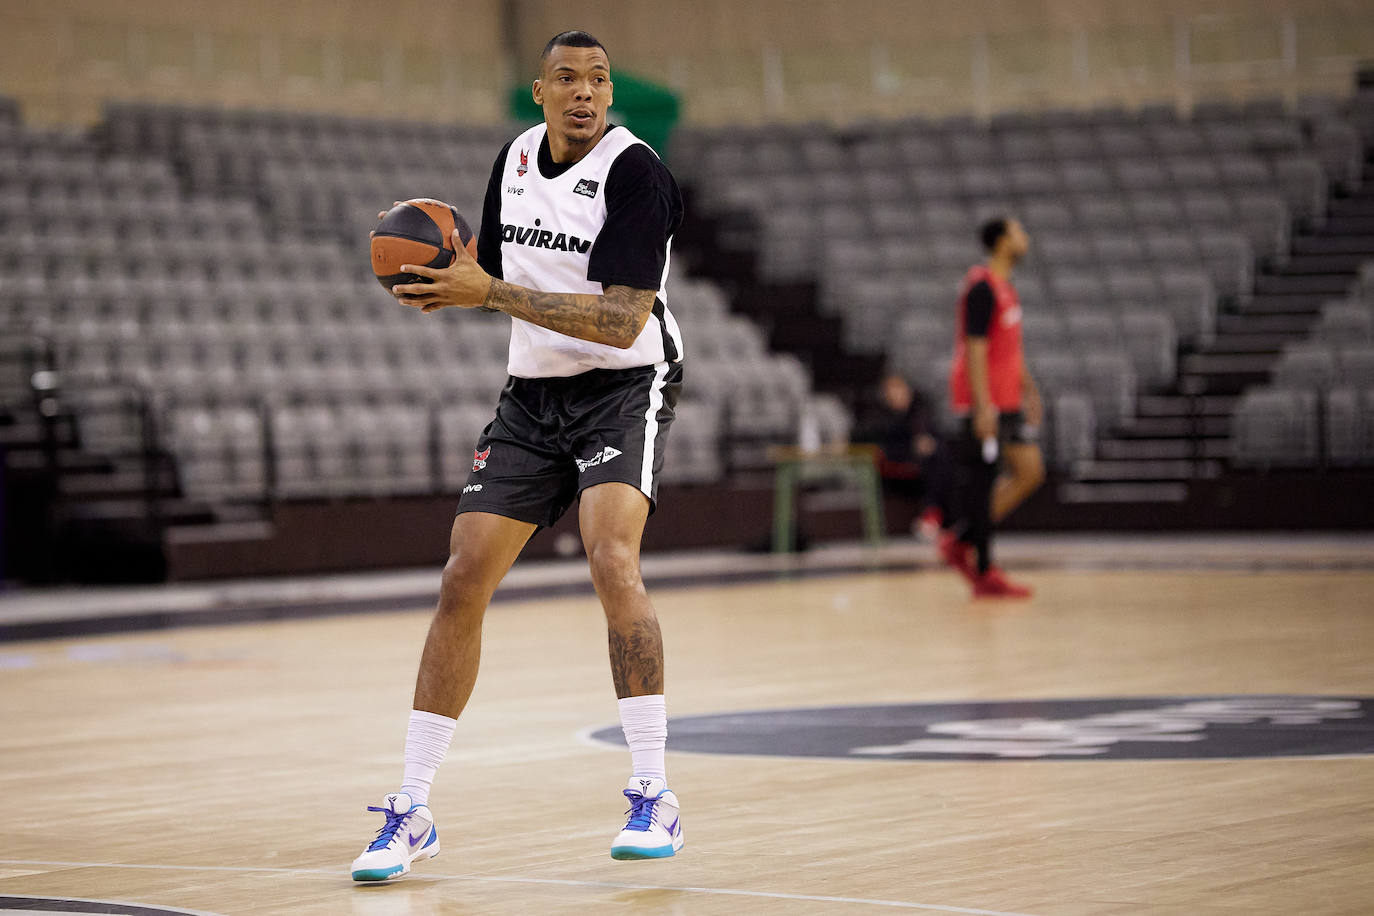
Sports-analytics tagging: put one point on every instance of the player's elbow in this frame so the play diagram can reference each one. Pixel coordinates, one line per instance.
(624, 338)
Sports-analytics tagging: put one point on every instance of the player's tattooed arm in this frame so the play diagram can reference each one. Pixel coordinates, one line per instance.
(637, 659)
(616, 317)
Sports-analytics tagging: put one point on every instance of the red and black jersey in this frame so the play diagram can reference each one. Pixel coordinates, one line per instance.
(989, 308)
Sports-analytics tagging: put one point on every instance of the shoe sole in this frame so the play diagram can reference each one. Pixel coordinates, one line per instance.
(374, 875)
(626, 853)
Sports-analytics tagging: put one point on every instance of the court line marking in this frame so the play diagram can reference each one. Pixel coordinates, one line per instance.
(559, 882)
(152, 907)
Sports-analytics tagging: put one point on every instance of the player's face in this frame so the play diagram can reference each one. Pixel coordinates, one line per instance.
(1017, 241)
(575, 91)
(896, 392)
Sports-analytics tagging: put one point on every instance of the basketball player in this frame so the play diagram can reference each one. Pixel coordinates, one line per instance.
(574, 246)
(992, 391)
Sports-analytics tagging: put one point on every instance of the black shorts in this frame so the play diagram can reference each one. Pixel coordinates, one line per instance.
(1012, 429)
(554, 437)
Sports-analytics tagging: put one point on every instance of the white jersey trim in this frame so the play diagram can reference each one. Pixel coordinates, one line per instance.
(646, 476)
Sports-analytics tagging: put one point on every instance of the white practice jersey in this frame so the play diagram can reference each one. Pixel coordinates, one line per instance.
(560, 226)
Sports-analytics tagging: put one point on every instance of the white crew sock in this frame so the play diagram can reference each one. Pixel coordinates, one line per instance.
(427, 739)
(645, 723)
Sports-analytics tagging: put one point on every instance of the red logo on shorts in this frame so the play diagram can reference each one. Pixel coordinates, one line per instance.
(524, 163)
(479, 459)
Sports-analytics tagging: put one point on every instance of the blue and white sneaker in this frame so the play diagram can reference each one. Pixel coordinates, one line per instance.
(654, 829)
(408, 835)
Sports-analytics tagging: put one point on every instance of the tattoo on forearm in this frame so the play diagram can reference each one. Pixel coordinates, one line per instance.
(637, 659)
(615, 317)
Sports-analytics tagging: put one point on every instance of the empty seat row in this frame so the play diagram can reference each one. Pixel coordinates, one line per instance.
(1321, 365)
(1279, 427)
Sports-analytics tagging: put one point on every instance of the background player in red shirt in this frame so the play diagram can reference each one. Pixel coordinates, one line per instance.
(992, 391)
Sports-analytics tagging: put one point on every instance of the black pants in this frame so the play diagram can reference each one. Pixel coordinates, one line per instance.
(974, 477)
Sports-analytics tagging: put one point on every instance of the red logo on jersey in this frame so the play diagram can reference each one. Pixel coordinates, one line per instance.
(479, 459)
(524, 163)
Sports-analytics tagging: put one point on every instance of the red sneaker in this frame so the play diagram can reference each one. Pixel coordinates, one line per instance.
(929, 524)
(995, 584)
(954, 553)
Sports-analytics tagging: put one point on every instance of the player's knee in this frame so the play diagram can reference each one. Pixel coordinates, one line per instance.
(614, 566)
(461, 586)
(1035, 472)
(1029, 471)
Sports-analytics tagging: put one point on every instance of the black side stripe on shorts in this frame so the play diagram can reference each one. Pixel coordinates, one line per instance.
(670, 351)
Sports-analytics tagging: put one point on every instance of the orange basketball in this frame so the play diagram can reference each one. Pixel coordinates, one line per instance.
(417, 232)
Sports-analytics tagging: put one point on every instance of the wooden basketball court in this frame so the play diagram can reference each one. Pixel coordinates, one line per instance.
(225, 769)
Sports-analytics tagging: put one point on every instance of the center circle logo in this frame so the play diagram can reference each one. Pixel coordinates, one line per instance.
(1115, 728)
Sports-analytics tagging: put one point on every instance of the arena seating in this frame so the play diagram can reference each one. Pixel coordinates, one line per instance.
(220, 266)
(1319, 408)
(218, 260)
(1144, 225)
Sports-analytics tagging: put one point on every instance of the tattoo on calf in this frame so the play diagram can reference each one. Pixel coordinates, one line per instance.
(637, 659)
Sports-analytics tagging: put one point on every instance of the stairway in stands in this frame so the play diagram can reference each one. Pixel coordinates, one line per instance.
(724, 248)
(1183, 434)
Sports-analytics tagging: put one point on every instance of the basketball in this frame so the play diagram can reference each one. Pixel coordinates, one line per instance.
(417, 232)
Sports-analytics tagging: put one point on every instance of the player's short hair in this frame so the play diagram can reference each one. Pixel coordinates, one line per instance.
(992, 231)
(575, 38)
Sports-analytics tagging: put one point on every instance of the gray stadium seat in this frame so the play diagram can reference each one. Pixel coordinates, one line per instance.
(921, 151)
(982, 181)
(1357, 365)
(219, 452)
(1192, 300)
(1042, 331)
(973, 148)
(1306, 366)
(1154, 208)
(1128, 286)
(1063, 248)
(1244, 171)
(1119, 248)
(1303, 185)
(1176, 139)
(1074, 143)
(1208, 208)
(1092, 330)
(1082, 177)
(1033, 178)
(1141, 174)
(1193, 172)
(1274, 427)
(1231, 261)
(1345, 322)
(1119, 141)
(1152, 343)
(1047, 214)
(695, 447)
(1227, 137)
(1111, 383)
(1266, 222)
(1072, 429)
(1025, 146)
(1070, 288)
(1345, 427)
(1056, 372)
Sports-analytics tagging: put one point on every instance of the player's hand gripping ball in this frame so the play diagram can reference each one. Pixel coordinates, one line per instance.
(417, 232)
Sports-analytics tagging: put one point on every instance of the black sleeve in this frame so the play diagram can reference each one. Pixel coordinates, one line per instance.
(643, 210)
(978, 310)
(489, 236)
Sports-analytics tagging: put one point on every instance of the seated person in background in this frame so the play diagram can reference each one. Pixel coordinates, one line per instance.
(913, 464)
